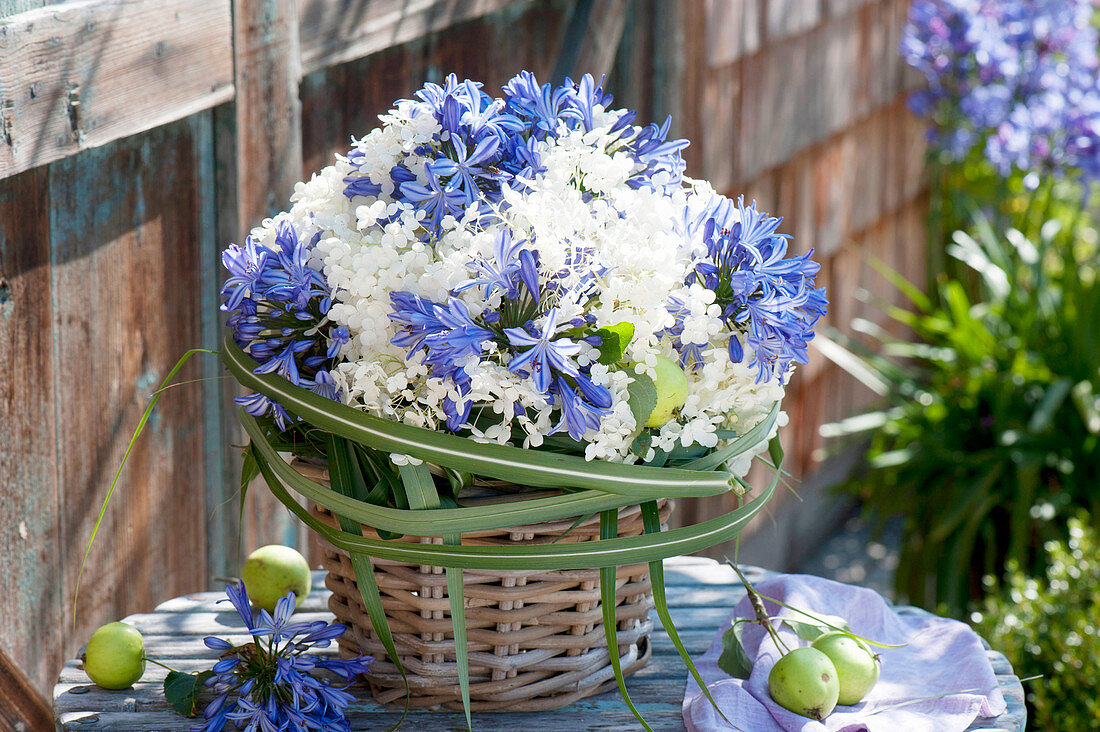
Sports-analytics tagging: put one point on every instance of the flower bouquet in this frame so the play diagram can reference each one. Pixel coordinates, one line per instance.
(498, 336)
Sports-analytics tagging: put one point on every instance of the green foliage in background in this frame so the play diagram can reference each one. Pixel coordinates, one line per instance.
(989, 434)
(1048, 627)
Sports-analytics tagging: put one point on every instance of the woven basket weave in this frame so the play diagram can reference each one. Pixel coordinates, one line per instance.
(535, 638)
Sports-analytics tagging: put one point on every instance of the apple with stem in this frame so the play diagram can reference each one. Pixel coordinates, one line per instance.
(805, 682)
(115, 656)
(272, 571)
(857, 667)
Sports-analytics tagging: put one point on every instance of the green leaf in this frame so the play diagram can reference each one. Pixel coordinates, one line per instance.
(1088, 405)
(250, 469)
(651, 522)
(126, 456)
(182, 690)
(863, 371)
(457, 601)
(811, 629)
(420, 488)
(775, 451)
(968, 251)
(641, 396)
(734, 660)
(910, 290)
(364, 571)
(1052, 400)
(608, 530)
(615, 340)
(826, 621)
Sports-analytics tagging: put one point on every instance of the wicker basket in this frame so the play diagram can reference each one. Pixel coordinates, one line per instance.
(536, 639)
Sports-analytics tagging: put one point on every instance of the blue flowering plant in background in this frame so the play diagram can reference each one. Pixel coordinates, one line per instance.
(276, 681)
(1016, 79)
(1013, 99)
(993, 396)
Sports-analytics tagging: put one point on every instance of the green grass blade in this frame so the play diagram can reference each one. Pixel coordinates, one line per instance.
(340, 477)
(609, 528)
(249, 471)
(859, 368)
(523, 467)
(911, 291)
(456, 596)
(420, 488)
(651, 520)
(747, 441)
(126, 456)
(372, 601)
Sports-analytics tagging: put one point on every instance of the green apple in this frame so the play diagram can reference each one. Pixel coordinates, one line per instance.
(115, 656)
(805, 682)
(272, 571)
(672, 391)
(856, 666)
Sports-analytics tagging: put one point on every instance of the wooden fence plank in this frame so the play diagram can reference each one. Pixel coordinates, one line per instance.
(335, 31)
(80, 74)
(30, 572)
(269, 114)
(601, 38)
(268, 162)
(125, 268)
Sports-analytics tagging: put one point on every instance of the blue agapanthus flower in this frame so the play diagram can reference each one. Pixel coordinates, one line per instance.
(484, 143)
(446, 331)
(548, 358)
(514, 267)
(277, 305)
(1017, 79)
(768, 300)
(276, 681)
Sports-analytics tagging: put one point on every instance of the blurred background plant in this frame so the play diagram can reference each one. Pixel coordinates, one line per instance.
(1048, 627)
(989, 434)
(986, 439)
(1012, 100)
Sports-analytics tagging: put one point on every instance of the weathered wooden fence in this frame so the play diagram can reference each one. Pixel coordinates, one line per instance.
(138, 136)
(801, 104)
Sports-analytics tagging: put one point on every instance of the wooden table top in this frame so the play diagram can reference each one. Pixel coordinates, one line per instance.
(701, 595)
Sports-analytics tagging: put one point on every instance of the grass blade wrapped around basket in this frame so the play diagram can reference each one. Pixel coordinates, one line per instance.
(420, 489)
(342, 478)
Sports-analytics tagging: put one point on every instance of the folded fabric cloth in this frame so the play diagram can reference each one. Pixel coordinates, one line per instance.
(942, 657)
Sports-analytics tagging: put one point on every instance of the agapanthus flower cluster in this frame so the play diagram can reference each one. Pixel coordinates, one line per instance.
(277, 305)
(276, 682)
(1017, 78)
(480, 251)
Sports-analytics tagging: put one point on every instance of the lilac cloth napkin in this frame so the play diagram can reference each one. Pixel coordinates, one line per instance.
(942, 656)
